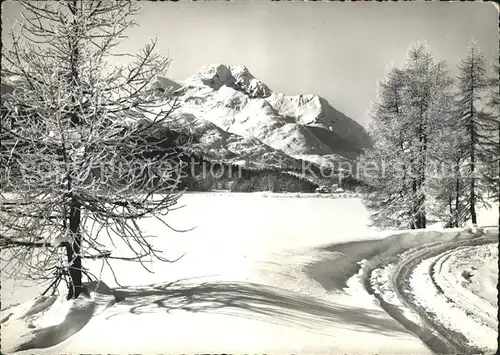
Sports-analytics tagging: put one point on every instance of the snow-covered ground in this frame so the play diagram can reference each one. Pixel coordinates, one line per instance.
(249, 282)
(422, 285)
(479, 274)
(453, 307)
(468, 276)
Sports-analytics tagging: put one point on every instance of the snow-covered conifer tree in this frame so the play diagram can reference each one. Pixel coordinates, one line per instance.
(477, 122)
(405, 128)
(492, 153)
(384, 166)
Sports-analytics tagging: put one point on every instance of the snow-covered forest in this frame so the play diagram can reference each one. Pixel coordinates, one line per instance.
(436, 142)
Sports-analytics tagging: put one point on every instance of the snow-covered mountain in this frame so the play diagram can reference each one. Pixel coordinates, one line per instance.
(238, 119)
(303, 126)
(216, 144)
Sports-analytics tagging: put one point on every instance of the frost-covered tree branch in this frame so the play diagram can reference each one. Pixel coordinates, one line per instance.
(79, 167)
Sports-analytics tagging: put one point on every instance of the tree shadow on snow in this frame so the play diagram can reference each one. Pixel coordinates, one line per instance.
(251, 301)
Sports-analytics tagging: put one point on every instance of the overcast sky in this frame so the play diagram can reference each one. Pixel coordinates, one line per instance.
(333, 49)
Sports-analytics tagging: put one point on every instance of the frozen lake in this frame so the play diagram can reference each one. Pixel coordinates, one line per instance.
(242, 284)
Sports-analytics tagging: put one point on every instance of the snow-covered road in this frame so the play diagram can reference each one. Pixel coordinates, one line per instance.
(421, 291)
(451, 273)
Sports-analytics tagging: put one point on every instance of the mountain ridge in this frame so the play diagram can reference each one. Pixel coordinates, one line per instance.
(238, 119)
(301, 126)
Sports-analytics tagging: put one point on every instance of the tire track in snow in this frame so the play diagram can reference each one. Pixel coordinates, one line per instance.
(432, 332)
(460, 296)
(454, 342)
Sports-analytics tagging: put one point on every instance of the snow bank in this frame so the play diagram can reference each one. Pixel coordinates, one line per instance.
(379, 272)
(483, 268)
(383, 286)
(448, 313)
(46, 321)
(468, 276)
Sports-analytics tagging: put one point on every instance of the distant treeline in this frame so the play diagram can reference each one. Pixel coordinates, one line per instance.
(206, 175)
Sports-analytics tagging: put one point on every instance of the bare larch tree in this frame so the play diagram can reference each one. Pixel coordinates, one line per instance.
(78, 166)
(478, 124)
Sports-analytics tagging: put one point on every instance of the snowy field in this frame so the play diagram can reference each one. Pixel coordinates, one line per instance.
(259, 275)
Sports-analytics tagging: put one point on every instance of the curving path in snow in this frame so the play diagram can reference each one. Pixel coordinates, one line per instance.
(451, 273)
(420, 288)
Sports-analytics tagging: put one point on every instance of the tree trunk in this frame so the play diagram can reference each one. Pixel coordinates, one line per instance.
(75, 286)
(473, 146)
(457, 194)
(73, 252)
(415, 219)
(451, 221)
(421, 164)
(472, 190)
(421, 220)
